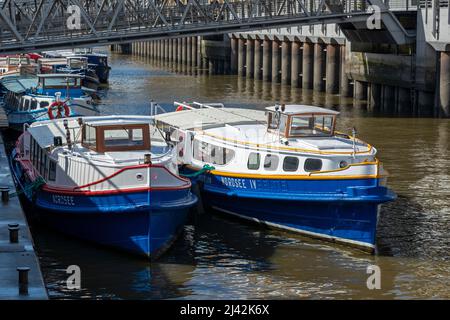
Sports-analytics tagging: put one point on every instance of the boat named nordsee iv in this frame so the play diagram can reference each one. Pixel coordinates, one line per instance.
(112, 180)
(287, 168)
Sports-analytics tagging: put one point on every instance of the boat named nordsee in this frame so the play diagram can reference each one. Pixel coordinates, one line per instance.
(112, 180)
(286, 167)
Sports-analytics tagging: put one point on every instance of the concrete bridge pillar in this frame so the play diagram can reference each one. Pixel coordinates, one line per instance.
(188, 51)
(170, 44)
(444, 85)
(183, 50)
(174, 50)
(250, 62)
(345, 89)
(318, 67)
(307, 66)
(179, 51)
(388, 99)
(241, 57)
(275, 61)
(375, 97)
(258, 61)
(425, 103)
(194, 52)
(199, 52)
(234, 55)
(163, 49)
(285, 62)
(332, 69)
(404, 103)
(360, 90)
(157, 45)
(152, 49)
(267, 58)
(211, 67)
(295, 64)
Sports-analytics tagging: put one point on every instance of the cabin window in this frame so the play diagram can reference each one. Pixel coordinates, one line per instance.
(52, 170)
(57, 83)
(43, 104)
(116, 137)
(33, 104)
(89, 136)
(206, 152)
(283, 122)
(254, 160)
(318, 125)
(26, 105)
(271, 162)
(123, 137)
(273, 120)
(290, 164)
(36, 154)
(312, 165)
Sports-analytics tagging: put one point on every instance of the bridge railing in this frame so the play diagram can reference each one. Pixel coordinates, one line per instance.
(45, 22)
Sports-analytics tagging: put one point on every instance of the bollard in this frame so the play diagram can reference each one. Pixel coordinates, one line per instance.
(13, 232)
(23, 280)
(5, 194)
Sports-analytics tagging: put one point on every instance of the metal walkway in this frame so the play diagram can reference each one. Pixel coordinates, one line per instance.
(33, 25)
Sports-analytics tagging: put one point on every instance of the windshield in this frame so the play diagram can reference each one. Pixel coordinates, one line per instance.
(312, 125)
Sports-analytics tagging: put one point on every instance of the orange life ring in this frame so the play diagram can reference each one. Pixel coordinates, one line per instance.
(59, 106)
(179, 108)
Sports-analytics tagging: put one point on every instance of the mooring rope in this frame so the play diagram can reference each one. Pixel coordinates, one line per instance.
(35, 185)
(205, 168)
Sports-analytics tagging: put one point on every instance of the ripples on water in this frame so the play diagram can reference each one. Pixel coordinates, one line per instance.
(221, 258)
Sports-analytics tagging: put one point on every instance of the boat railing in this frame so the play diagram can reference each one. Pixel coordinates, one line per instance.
(197, 105)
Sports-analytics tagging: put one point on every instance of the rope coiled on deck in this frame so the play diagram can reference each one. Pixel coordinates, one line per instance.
(205, 168)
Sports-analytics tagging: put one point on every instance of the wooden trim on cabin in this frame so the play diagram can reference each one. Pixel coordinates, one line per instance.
(100, 138)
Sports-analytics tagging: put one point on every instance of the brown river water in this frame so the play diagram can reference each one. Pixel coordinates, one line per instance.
(218, 257)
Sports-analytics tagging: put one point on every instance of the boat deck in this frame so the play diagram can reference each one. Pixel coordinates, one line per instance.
(209, 118)
(21, 254)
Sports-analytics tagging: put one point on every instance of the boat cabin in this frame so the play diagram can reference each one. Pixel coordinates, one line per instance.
(294, 121)
(49, 84)
(107, 137)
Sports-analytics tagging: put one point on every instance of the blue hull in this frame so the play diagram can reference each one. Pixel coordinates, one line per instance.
(143, 222)
(342, 211)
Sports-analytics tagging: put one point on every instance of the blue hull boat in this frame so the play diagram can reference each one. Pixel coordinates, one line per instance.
(131, 203)
(341, 211)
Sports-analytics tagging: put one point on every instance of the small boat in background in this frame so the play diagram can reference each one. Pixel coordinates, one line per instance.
(97, 61)
(286, 168)
(44, 97)
(16, 65)
(111, 180)
(71, 65)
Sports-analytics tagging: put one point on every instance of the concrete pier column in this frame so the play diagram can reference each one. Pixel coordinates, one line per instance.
(156, 49)
(404, 106)
(211, 67)
(275, 61)
(161, 50)
(425, 103)
(332, 69)
(188, 51)
(318, 67)
(179, 51)
(295, 64)
(250, 62)
(199, 52)
(344, 87)
(444, 85)
(360, 90)
(257, 72)
(241, 57)
(194, 52)
(183, 50)
(286, 62)
(170, 43)
(234, 55)
(388, 99)
(174, 50)
(307, 66)
(152, 49)
(375, 97)
(267, 59)
(167, 50)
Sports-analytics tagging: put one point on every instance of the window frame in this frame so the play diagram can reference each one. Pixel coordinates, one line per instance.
(284, 163)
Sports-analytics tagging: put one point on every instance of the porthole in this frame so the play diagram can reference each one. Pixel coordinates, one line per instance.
(313, 165)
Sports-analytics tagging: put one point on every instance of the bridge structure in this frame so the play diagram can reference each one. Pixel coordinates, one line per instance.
(37, 25)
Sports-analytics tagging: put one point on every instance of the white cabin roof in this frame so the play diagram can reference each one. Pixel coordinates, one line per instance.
(302, 109)
(210, 117)
(60, 75)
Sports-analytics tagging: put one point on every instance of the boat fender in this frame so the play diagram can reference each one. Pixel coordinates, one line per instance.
(179, 108)
(59, 106)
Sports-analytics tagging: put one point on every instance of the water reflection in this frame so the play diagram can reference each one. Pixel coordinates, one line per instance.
(222, 258)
